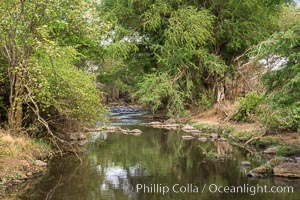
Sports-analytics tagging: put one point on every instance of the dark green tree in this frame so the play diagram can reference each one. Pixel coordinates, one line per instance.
(192, 43)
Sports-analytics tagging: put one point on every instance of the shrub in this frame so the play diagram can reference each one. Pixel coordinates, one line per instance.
(279, 119)
(159, 91)
(247, 106)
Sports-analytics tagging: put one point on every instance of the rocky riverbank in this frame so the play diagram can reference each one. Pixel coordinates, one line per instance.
(282, 149)
(22, 158)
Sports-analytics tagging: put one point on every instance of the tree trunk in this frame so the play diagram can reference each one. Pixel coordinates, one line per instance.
(15, 114)
(220, 93)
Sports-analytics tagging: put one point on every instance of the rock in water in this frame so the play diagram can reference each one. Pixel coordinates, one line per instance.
(271, 150)
(245, 163)
(195, 131)
(155, 123)
(187, 137)
(171, 121)
(111, 128)
(291, 170)
(171, 125)
(259, 172)
(135, 132)
(188, 127)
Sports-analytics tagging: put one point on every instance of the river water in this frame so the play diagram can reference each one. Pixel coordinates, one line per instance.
(155, 165)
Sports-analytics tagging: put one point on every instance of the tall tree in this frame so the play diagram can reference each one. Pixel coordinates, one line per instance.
(40, 44)
(194, 43)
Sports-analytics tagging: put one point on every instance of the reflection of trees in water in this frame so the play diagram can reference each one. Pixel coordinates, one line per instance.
(156, 157)
(223, 148)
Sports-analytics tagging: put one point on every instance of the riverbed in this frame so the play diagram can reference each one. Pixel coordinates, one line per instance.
(158, 164)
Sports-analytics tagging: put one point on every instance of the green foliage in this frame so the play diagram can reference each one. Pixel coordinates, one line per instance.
(280, 109)
(241, 24)
(157, 89)
(288, 151)
(72, 92)
(247, 106)
(193, 43)
(266, 142)
(280, 119)
(53, 40)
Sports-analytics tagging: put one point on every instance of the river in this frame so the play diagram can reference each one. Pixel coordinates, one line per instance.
(158, 164)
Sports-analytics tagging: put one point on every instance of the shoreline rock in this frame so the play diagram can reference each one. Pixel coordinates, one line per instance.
(290, 170)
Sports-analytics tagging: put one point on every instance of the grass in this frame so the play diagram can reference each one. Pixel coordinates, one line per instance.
(266, 142)
(209, 128)
(18, 154)
(288, 151)
(22, 147)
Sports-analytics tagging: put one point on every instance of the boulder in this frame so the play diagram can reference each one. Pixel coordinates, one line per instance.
(187, 137)
(74, 136)
(188, 127)
(111, 128)
(291, 170)
(271, 150)
(280, 160)
(171, 121)
(40, 163)
(245, 163)
(259, 172)
(195, 131)
(135, 132)
(171, 125)
(155, 123)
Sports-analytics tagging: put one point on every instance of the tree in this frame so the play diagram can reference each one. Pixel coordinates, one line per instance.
(41, 43)
(280, 108)
(193, 43)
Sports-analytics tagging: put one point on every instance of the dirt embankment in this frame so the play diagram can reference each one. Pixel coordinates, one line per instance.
(220, 116)
(21, 158)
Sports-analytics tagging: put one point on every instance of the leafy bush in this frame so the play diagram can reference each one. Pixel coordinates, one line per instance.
(280, 110)
(159, 91)
(279, 119)
(59, 85)
(247, 106)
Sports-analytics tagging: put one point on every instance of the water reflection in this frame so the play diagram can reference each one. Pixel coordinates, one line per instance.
(155, 157)
(223, 148)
